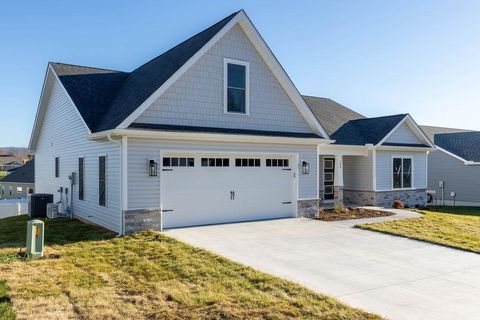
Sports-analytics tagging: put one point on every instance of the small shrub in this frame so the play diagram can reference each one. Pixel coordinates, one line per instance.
(338, 208)
(397, 204)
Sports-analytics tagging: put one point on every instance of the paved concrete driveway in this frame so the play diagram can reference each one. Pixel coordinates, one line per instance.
(391, 276)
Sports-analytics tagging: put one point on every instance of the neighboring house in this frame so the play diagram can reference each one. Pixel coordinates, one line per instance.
(20, 183)
(211, 131)
(9, 162)
(455, 165)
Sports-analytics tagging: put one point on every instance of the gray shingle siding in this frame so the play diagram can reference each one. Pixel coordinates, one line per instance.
(196, 99)
(404, 135)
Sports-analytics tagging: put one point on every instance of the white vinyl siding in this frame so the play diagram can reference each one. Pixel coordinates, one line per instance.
(384, 169)
(62, 133)
(358, 172)
(144, 191)
(403, 134)
(197, 97)
(457, 177)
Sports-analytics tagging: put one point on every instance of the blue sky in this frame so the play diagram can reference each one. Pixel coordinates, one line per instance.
(376, 57)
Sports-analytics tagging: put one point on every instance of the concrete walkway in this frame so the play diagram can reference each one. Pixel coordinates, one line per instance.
(392, 276)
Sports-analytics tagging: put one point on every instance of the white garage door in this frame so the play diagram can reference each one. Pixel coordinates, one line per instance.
(207, 189)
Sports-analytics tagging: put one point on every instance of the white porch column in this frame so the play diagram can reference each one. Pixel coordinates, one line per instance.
(338, 180)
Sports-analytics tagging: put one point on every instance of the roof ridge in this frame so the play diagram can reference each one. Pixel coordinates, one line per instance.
(455, 133)
(381, 117)
(179, 44)
(80, 66)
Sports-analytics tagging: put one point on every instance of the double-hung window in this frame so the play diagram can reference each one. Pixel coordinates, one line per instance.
(402, 173)
(102, 181)
(57, 167)
(236, 83)
(81, 176)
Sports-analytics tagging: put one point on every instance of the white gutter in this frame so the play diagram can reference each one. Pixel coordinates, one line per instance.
(202, 136)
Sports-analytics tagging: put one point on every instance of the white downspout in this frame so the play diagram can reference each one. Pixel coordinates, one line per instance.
(109, 137)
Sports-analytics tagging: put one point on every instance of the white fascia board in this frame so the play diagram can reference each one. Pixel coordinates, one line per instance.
(466, 162)
(50, 74)
(34, 134)
(195, 136)
(264, 51)
(418, 131)
(345, 150)
(402, 148)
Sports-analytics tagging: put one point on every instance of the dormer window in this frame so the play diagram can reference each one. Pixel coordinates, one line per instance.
(236, 83)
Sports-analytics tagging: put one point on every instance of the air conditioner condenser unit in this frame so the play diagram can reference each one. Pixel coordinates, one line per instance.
(52, 210)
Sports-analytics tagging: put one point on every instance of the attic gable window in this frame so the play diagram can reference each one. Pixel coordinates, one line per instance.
(236, 87)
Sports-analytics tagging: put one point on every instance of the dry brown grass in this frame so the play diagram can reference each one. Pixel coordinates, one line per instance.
(150, 276)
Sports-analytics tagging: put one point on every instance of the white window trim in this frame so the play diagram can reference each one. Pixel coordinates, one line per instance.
(412, 175)
(226, 61)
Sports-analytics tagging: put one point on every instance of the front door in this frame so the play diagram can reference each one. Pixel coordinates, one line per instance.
(328, 174)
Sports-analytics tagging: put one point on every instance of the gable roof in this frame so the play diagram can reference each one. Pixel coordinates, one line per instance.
(465, 145)
(431, 131)
(110, 99)
(366, 131)
(23, 174)
(331, 115)
(92, 90)
(105, 98)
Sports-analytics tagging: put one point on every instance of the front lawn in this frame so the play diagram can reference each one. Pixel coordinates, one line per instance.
(90, 274)
(457, 227)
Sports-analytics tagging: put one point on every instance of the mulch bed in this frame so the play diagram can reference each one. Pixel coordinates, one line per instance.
(349, 213)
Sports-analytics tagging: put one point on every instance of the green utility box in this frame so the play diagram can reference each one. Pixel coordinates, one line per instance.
(35, 238)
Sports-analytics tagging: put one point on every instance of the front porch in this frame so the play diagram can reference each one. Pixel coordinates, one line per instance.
(345, 176)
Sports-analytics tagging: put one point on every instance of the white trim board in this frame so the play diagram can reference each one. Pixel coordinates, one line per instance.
(195, 136)
(416, 130)
(41, 109)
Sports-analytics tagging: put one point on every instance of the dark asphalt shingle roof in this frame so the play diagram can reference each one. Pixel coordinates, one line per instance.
(366, 131)
(431, 131)
(466, 145)
(91, 89)
(105, 98)
(331, 115)
(23, 174)
(164, 127)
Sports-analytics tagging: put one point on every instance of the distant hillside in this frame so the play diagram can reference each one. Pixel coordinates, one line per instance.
(17, 152)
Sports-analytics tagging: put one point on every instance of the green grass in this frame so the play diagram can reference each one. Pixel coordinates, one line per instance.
(457, 227)
(6, 310)
(2, 174)
(89, 274)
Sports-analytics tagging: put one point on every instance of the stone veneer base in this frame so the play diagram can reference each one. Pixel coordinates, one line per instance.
(308, 208)
(410, 198)
(141, 219)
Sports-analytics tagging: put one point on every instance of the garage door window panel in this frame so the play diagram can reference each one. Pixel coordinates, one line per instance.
(215, 162)
(178, 162)
(247, 162)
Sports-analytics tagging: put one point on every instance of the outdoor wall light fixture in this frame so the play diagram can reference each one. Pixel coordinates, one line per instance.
(305, 167)
(152, 168)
